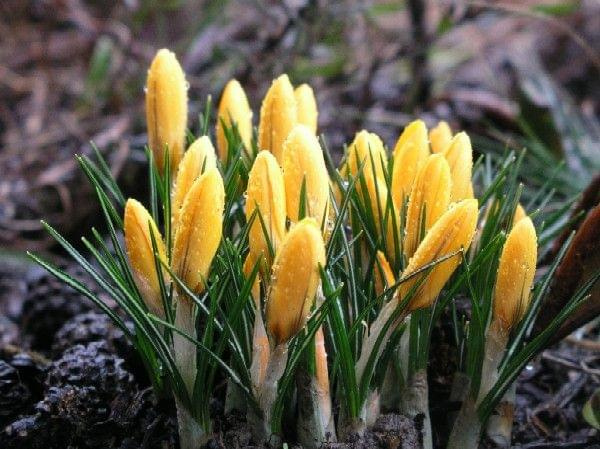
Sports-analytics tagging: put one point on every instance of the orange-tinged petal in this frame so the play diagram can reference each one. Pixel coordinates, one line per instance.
(138, 243)
(303, 163)
(199, 157)
(429, 199)
(453, 230)
(515, 274)
(233, 108)
(266, 192)
(199, 232)
(460, 158)
(366, 149)
(294, 281)
(410, 153)
(384, 276)
(278, 116)
(440, 137)
(166, 108)
(306, 106)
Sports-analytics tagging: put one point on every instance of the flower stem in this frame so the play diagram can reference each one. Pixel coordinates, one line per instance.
(415, 401)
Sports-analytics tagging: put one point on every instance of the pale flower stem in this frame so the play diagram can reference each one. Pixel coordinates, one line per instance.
(499, 426)
(267, 395)
(191, 432)
(466, 431)
(415, 401)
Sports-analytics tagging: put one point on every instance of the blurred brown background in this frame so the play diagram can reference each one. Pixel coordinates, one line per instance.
(72, 72)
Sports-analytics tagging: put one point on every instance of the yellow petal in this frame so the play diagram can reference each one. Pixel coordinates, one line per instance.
(303, 163)
(429, 198)
(166, 108)
(266, 192)
(366, 149)
(410, 153)
(277, 116)
(384, 276)
(460, 158)
(138, 243)
(199, 157)
(233, 108)
(416, 133)
(306, 105)
(515, 274)
(378, 197)
(199, 232)
(453, 230)
(440, 137)
(294, 280)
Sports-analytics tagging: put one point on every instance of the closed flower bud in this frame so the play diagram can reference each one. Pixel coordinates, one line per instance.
(416, 133)
(199, 231)
(453, 230)
(384, 276)
(440, 137)
(410, 154)
(384, 217)
(460, 159)
(303, 163)
(138, 243)
(306, 106)
(429, 199)
(233, 108)
(294, 281)
(277, 116)
(515, 274)
(166, 108)
(266, 192)
(199, 158)
(366, 149)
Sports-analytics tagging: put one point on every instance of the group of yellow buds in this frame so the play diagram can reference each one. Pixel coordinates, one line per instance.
(422, 202)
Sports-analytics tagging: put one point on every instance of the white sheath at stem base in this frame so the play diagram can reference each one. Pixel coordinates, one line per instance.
(415, 401)
(466, 431)
(191, 434)
(266, 395)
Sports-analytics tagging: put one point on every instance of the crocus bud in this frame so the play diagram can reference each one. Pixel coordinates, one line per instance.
(410, 153)
(138, 224)
(515, 274)
(199, 157)
(266, 192)
(294, 281)
(453, 230)
(198, 234)
(277, 116)
(384, 276)
(382, 215)
(166, 108)
(460, 159)
(440, 137)
(429, 199)
(303, 163)
(306, 106)
(366, 149)
(233, 108)
(416, 133)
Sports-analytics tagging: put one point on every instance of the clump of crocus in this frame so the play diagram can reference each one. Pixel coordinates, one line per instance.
(166, 109)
